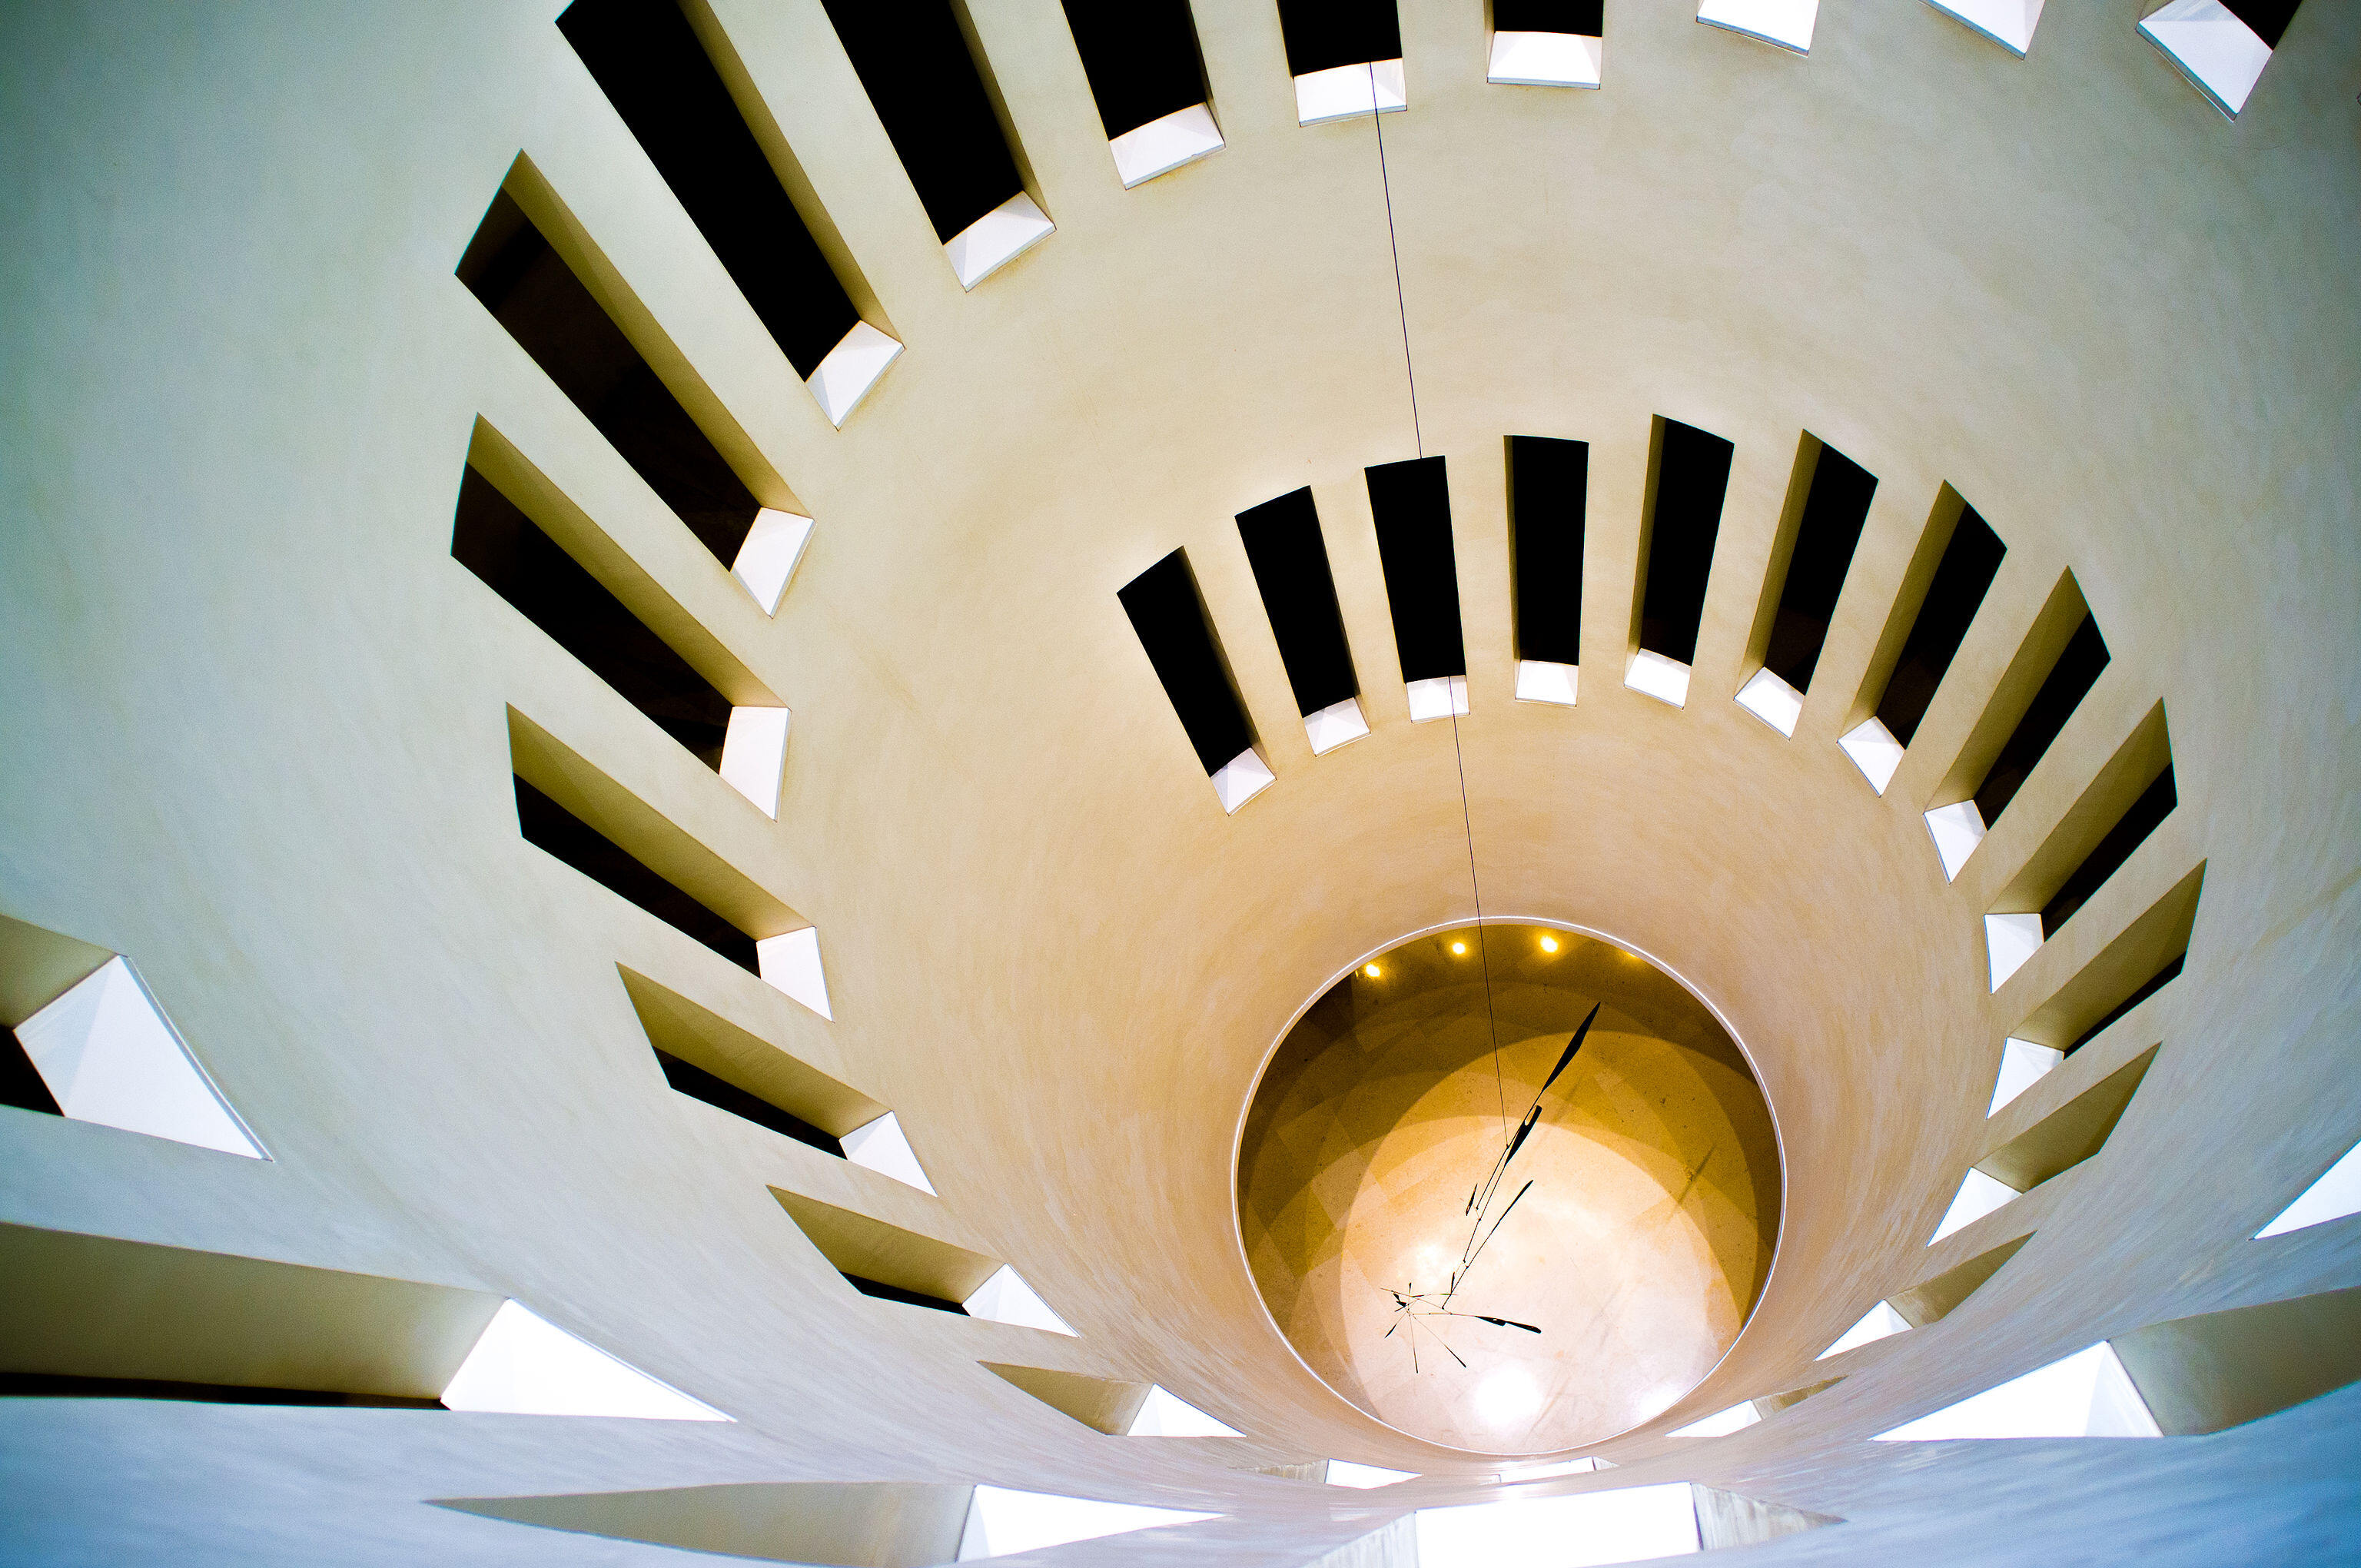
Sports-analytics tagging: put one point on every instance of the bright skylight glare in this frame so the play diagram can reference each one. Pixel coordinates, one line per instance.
(1345, 91)
(109, 1054)
(2213, 47)
(1881, 1322)
(1666, 680)
(1538, 680)
(790, 962)
(1874, 751)
(1363, 1477)
(767, 560)
(755, 755)
(1957, 829)
(1166, 1414)
(1335, 724)
(1546, 60)
(1439, 697)
(2087, 1394)
(997, 238)
(525, 1366)
(1627, 1525)
(1979, 1195)
(1787, 23)
(1241, 779)
(1006, 1298)
(1772, 701)
(1163, 145)
(1001, 1522)
(2022, 1065)
(2009, 23)
(2010, 942)
(852, 368)
(881, 1146)
(2336, 1194)
(1722, 1423)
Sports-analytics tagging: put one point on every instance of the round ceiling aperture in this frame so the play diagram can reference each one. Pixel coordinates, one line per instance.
(1482, 1239)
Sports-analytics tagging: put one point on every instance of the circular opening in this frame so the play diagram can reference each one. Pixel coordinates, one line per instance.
(1552, 1297)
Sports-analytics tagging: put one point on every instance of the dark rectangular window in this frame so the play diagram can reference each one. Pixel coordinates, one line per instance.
(21, 1083)
(688, 1078)
(550, 827)
(1165, 612)
(1549, 489)
(649, 62)
(2164, 976)
(913, 60)
(1410, 504)
(2268, 18)
(1141, 59)
(504, 547)
(2130, 831)
(1585, 18)
(531, 291)
(2068, 681)
(1970, 561)
(1291, 568)
(1324, 34)
(1684, 518)
(1835, 507)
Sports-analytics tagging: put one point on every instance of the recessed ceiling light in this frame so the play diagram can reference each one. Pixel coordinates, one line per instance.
(1372, 970)
(1549, 944)
(1458, 947)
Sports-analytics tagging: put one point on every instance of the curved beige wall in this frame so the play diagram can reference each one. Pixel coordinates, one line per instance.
(256, 718)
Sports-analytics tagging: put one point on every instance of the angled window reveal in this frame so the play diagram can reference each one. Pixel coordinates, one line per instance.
(1148, 81)
(2019, 723)
(893, 1264)
(88, 1041)
(1549, 489)
(2008, 23)
(1345, 57)
(1769, 1405)
(2087, 1394)
(1001, 1522)
(2139, 819)
(534, 292)
(858, 1524)
(1941, 595)
(1117, 1409)
(2023, 1064)
(1881, 1322)
(1410, 504)
(2219, 1370)
(1547, 43)
(2221, 46)
(1173, 629)
(652, 66)
(1732, 1519)
(1290, 570)
(567, 809)
(2117, 812)
(1689, 473)
(493, 538)
(935, 95)
(1787, 23)
(1932, 1299)
(2056, 1143)
(2143, 959)
(79, 1321)
(1828, 505)
(2336, 1194)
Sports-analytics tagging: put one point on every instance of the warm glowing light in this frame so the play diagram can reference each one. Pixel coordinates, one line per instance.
(1459, 946)
(1549, 944)
(1372, 971)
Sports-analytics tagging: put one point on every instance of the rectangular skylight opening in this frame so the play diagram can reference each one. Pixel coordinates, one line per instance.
(1772, 701)
(934, 92)
(1624, 1525)
(1547, 43)
(2010, 941)
(1345, 59)
(1821, 528)
(774, 546)
(2054, 668)
(2144, 958)
(2219, 47)
(1170, 618)
(1979, 1195)
(1549, 503)
(1289, 562)
(549, 581)
(1666, 680)
(571, 330)
(679, 102)
(707, 1057)
(1787, 23)
(1410, 503)
(1147, 77)
(2008, 23)
(1688, 476)
(2087, 1394)
(1957, 829)
(2139, 819)
(2070, 1134)
(1939, 622)
(1538, 680)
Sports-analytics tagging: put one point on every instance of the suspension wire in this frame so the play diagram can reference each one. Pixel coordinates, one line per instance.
(1451, 702)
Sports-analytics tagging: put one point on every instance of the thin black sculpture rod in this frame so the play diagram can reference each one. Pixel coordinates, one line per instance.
(1460, 1278)
(1490, 1187)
